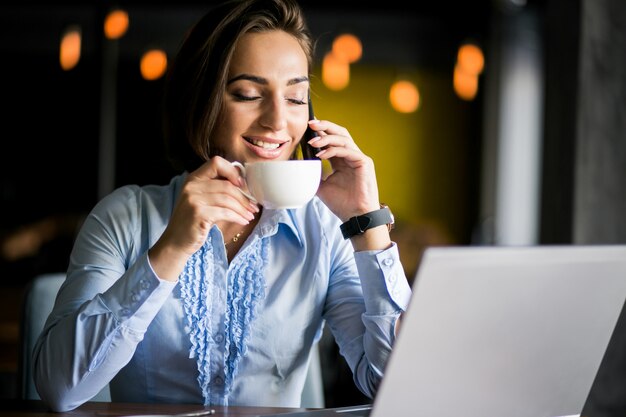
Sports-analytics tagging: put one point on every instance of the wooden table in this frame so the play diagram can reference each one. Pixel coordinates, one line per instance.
(33, 408)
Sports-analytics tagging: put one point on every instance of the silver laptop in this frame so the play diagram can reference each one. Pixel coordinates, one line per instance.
(501, 331)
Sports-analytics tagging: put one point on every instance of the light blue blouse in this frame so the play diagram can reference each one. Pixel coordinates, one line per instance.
(224, 334)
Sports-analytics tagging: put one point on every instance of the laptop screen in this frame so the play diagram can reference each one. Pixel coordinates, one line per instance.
(504, 331)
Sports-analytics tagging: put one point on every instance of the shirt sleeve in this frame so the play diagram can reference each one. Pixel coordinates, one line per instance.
(101, 312)
(385, 287)
(366, 298)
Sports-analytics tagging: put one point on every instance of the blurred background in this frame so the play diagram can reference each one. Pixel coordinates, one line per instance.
(490, 122)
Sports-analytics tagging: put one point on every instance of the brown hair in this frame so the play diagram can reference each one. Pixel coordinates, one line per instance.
(197, 80)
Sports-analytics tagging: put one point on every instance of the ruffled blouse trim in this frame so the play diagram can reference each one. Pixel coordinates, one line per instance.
(245, 290)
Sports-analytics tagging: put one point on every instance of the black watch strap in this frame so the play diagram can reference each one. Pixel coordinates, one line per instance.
(359, 224)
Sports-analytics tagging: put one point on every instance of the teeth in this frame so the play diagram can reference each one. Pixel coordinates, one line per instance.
(265, 145)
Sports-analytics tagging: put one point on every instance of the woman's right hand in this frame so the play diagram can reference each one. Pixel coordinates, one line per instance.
(209, 195)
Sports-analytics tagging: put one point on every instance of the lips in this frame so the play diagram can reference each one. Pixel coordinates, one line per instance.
(264, 144)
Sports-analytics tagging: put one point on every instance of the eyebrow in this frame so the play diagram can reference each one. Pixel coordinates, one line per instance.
(263, 81)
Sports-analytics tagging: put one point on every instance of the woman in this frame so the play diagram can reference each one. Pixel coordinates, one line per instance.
(190, 293)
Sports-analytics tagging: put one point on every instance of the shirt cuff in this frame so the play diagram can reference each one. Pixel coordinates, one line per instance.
(385, 287)
(138, 295)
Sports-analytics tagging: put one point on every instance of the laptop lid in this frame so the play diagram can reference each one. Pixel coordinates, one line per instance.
(504, 331)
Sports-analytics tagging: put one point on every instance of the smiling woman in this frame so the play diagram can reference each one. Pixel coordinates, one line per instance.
(260, 99)
(428, 163)
(227, 295)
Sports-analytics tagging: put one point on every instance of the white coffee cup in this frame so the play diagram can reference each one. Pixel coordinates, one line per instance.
(281, 184)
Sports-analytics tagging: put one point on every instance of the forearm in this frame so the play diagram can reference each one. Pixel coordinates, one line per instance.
(386, 293)
(80, 351)
(76, 357)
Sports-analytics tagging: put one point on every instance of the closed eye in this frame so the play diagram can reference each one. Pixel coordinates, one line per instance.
(296, 101)
(241, 97)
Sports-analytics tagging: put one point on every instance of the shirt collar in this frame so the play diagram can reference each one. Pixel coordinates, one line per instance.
(270, 219)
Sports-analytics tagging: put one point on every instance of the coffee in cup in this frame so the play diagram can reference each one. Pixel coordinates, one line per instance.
(281, 184)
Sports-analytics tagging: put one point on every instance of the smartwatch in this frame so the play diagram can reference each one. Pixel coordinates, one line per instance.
(359, 224)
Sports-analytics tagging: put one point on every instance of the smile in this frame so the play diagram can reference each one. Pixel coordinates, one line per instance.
(263, 144)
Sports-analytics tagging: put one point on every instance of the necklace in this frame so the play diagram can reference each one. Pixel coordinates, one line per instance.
(235, 238)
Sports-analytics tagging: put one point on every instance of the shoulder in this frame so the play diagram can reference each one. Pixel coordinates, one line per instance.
(131, 202)
(133, 194)
(126, 222)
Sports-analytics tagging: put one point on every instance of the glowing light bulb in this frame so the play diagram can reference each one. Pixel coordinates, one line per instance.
(465, 83)
(116, 24)
(69, 51)
(470, 57)
(404, 96)
(335, 72)
(347, 47)
(153, 64)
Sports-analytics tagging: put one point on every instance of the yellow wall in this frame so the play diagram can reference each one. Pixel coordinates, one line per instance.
(421, 158)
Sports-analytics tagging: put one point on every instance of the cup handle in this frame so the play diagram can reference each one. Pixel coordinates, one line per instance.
(242, 169)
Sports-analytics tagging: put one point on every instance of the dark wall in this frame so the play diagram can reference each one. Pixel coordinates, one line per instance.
(584, 198)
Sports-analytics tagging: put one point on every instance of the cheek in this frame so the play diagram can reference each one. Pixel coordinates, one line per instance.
(298, 125)
(299, 132)
(234, 118)
(231, 124)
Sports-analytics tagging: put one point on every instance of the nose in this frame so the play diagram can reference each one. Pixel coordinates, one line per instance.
(274, 114)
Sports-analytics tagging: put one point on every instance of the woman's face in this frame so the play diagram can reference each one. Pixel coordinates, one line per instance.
(265, 110)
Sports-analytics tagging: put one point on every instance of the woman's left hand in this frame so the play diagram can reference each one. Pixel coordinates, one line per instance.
(351, 188)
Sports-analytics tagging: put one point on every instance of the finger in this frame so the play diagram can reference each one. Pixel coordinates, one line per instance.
(228, 195)
(328, 127)
(213, 208)
(243, 198)
(230, 211)
(203, 194)
(218, 167)
(330, 141)
(353, 158)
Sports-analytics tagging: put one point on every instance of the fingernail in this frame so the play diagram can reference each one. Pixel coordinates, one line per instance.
(313, 121)
(241, 181)
(315, 139)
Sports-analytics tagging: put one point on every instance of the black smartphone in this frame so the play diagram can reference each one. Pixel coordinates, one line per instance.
(308, 151)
